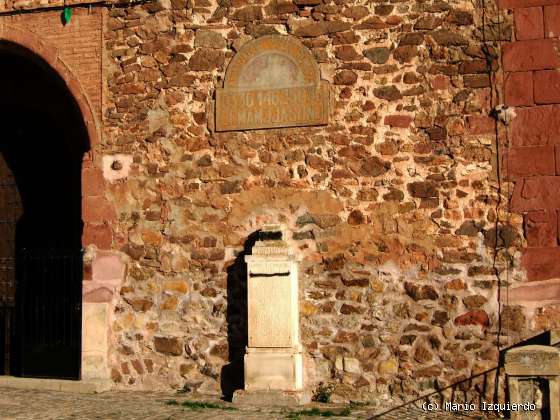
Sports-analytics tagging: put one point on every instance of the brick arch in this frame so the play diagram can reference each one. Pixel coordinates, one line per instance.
(49, 54)
(99, 287)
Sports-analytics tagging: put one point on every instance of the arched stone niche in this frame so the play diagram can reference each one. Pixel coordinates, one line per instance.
(272, 82)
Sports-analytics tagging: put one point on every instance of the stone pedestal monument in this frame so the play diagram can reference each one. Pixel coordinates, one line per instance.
(534, 377)
(273, 360)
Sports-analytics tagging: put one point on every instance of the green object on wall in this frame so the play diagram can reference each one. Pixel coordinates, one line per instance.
(67, 15)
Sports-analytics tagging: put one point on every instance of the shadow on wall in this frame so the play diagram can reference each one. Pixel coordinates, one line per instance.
(232, 377)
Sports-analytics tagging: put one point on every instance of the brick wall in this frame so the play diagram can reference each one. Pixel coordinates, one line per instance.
(532, 85)
(78, 43)
(13, 5)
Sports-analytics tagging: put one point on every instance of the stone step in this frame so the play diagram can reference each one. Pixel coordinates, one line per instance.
(81, 387)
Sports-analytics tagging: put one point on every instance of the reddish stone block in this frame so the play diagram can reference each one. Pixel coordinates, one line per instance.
(541, 228)
(547, 86)
(402, 121)
(534, 292)
(474, 66)
(93, 182)
(538, 193)
(98, 235)
(552, 21)
(99, 295)
(557, 153)
(558, 225)
(529, 23)
(441, 82)
(481, 124)
(518, 88)
(530, 161)
(107, 267)
(538, 54)
(478, 317)
(149, 365)
(514, 4)
(476, 81)
(541, 263)
(97, 209)
(536, 126)
(87, 274)
(138, 366)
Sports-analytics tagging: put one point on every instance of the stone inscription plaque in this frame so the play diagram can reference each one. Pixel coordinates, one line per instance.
(270, 312)
(272, 82)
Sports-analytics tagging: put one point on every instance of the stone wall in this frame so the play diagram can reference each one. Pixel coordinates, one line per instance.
(394, 208)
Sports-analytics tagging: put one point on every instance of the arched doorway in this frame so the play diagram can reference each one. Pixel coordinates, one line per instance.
(42, 142)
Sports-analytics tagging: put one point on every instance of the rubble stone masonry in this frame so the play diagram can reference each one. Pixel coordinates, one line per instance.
(418, 261)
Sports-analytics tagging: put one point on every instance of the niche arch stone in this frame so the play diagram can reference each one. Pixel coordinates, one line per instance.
(272, 82)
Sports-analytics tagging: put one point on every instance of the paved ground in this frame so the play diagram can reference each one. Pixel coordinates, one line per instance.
(19, 404)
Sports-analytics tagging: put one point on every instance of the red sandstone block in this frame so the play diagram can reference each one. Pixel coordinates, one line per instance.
(97, 295)
(541, 263)
(531, 292)
(479, 317)
(86, 272)
(557, 150)
(440, 82)
(537, 54)
(97, 209)
(547, 86)
(481, 124)
(552, 21)
(93, 182)
(98, 235)
(534, 126)
(541, 228)
(558, 225)
(519, 88)
(514, 4)
(402, 121)
(529, 23)
(536, 193)
(530, 161)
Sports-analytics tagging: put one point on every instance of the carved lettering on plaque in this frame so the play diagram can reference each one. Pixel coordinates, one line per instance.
(272, 82)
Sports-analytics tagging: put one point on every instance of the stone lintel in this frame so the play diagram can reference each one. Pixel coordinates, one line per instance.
(533, 360)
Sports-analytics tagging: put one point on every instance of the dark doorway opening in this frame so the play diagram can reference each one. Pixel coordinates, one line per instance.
(42, 142)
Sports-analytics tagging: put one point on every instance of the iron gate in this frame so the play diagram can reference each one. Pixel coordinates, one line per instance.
(7, 303)
(40, 298)
(49, 313)
(9, 212)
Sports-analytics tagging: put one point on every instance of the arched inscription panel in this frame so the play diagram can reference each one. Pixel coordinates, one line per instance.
(272, 82)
